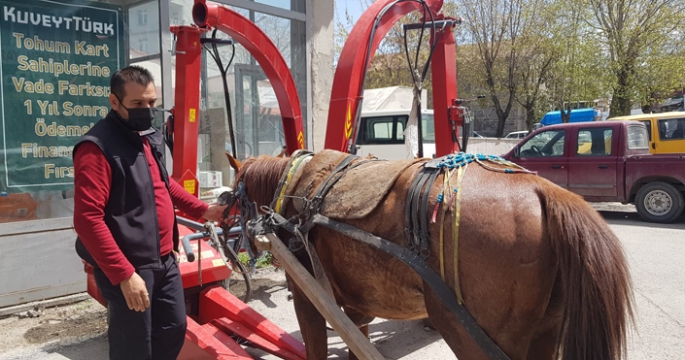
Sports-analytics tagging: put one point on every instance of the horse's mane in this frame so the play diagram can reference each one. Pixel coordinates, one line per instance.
(261, 176)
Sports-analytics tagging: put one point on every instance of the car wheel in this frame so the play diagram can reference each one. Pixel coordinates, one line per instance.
(659, 202)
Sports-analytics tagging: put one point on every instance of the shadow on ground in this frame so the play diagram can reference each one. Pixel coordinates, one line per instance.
(394, 339)
(632, 218)
(96, 348)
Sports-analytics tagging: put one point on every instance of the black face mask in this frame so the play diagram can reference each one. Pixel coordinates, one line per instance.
(139, 119)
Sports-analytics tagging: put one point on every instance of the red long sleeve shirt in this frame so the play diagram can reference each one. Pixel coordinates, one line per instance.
(92, 181)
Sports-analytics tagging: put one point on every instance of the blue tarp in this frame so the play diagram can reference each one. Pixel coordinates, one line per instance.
(577, 115)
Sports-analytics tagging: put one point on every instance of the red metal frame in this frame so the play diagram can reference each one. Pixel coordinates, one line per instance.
(269, 58)
(187, 94)
(444, 76)
(221, 308)
(216, 313)
(186, 110)
(348, 80)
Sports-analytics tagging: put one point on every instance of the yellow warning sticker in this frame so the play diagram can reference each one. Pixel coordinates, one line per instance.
(189, 185)
(348, 122)
(218, 262)
(192, 115)
(300, 140)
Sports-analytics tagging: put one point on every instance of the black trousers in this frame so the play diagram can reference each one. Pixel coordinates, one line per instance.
(159, 331)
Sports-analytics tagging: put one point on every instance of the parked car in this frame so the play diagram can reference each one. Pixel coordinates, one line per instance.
(666, 130)
(516, 135)
(607, 161)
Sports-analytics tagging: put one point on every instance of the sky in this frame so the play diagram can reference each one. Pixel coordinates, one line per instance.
(354, 8)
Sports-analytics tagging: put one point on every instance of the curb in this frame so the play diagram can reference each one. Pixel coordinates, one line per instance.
(64, 300)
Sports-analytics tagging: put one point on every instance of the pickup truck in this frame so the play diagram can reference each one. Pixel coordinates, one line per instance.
(607, 161)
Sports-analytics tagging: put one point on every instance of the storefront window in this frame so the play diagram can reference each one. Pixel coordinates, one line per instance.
(55, 74)
(255, 114)
(56, 61)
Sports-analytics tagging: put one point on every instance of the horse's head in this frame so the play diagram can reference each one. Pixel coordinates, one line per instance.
(255, 185)
(259, 177)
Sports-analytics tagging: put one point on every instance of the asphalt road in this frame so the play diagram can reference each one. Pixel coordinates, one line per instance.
(656, 254)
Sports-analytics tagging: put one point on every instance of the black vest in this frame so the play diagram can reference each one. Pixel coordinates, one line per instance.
(130, 212)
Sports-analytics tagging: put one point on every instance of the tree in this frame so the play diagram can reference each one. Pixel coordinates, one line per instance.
(632, 29)
(495, 27)
(343, 25)
(538, 56)
(661, 72)
(566, 70)
(389, 65)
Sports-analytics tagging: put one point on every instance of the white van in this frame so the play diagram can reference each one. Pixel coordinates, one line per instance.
(381, 133)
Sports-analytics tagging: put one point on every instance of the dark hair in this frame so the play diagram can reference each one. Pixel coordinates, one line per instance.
(129, 74)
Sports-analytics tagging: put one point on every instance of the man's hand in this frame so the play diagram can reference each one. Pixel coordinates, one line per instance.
(214, 212)
(135, 293)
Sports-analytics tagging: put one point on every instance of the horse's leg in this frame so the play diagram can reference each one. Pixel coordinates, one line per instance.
(312, 324)
(362, 321)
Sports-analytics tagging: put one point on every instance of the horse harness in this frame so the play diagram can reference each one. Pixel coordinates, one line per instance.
(416, 230)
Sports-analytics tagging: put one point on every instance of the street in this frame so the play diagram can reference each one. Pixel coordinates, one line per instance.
(656, 257)
(655, 253)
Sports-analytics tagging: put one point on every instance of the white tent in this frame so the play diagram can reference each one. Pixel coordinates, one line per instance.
(391, 98)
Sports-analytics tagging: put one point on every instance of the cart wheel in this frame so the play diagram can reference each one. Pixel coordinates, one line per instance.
(659, 202)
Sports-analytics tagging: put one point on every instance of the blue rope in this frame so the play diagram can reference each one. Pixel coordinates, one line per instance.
(461, 159)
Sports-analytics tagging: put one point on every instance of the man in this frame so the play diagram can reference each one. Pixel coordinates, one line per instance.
(124, 217)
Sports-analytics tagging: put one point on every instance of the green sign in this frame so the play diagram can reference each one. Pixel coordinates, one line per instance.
(57, 59)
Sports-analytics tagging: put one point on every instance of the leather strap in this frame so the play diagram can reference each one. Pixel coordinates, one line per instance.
(408, 221)
(425, 212)
(316, 201)
(295, 160)
(417, 213)
(443, 292)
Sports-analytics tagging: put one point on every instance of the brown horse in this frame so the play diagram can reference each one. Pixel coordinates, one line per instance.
(538, 268)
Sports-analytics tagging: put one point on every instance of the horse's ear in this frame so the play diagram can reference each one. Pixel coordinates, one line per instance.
(282, 154)
(235, 164)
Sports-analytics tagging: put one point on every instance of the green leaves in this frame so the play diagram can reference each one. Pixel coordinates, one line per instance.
(547, 54)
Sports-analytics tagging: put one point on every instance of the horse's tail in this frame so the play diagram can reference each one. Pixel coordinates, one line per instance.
(594, 276)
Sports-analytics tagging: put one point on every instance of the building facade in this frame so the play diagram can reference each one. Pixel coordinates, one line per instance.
(56, 60)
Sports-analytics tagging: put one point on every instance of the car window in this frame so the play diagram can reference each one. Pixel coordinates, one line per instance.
(637, 138)
(595, 141)
(378, 130)
(672, 129)
(428, 127)
(546, 143)
(399, 133)
(648, 124)
(381, 129)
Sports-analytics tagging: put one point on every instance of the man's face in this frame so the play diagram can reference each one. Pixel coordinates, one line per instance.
(136, 96)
